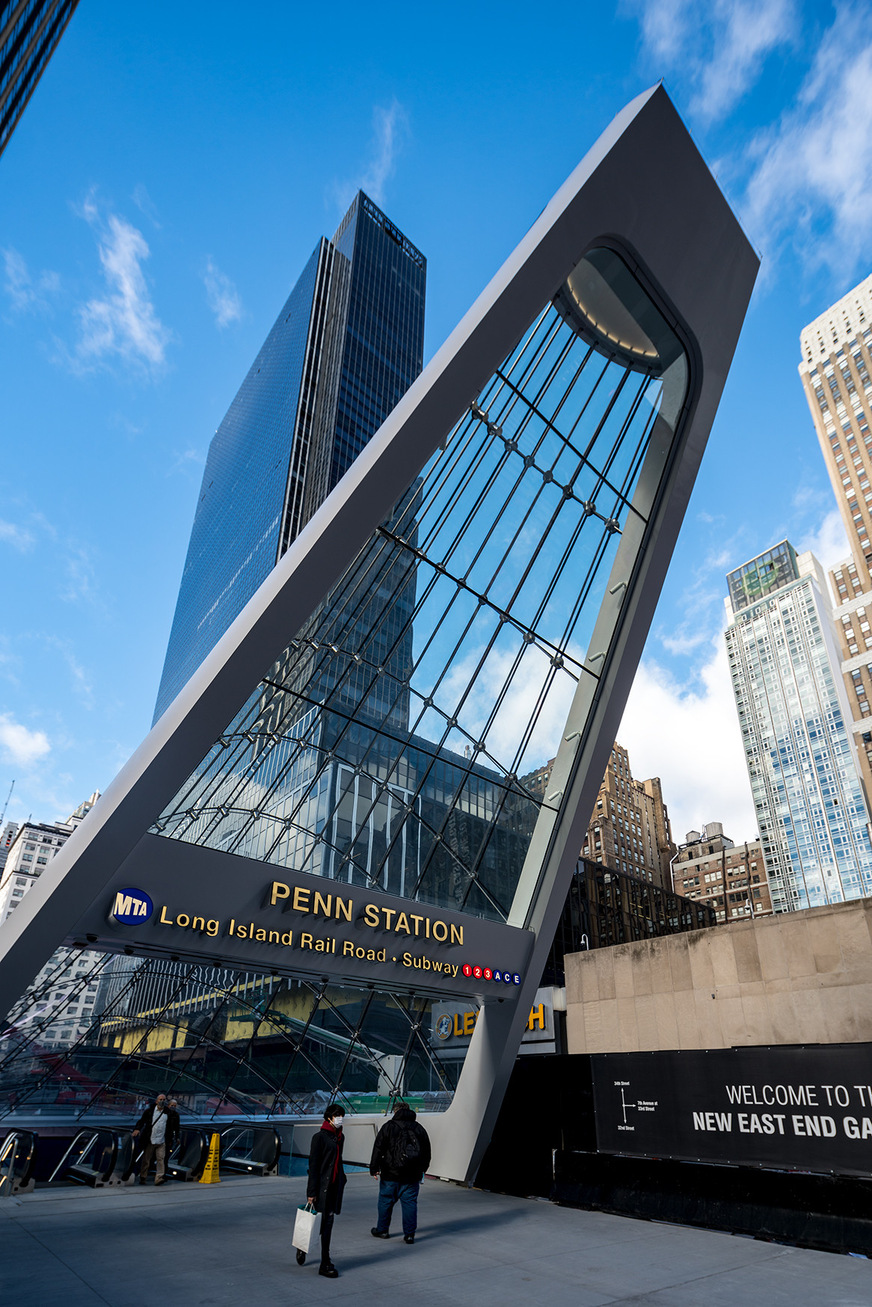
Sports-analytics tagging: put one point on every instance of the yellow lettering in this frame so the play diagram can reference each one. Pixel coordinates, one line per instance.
(242, 932)
(437, 927)
(416, 919)
(201, 926)
(537, 1017)
(288, 938)
(343, 908)
(301, 899)
(468, 1022)
(402, 924)
(212, 928)
(261, 936)
(347, 949)
(458, 1028)
(279, 891)
(456, 934)
(273, 937)
(305, 941)
(389, 914)
(164, 919)
(323, 903)
(183, 919)
(370, 914)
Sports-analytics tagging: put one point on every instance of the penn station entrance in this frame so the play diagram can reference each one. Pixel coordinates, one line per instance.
(339, 826)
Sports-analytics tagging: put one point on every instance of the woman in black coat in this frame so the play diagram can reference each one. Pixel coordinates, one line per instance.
(327, 1179)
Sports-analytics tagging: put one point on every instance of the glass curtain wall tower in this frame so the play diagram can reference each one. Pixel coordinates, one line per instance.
(345, 347)
(795, 721)
(29, 33)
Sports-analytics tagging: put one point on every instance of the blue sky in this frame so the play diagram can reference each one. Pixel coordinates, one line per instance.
(162, 191)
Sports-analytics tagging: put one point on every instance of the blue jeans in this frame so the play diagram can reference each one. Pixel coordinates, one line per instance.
(389, 1191)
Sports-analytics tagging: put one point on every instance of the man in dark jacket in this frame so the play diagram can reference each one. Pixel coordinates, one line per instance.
(327, 1179)
(159, 1127)
(400, 1156)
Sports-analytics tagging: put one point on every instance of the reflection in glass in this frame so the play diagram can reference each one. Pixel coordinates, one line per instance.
(396, 740)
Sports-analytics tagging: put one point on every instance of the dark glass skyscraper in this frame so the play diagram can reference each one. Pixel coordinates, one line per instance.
(344, 349)
(29, 32)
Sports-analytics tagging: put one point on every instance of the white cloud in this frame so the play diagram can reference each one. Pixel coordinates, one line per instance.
(745, 32)
(20, 746)
(20, 538)
(827, 542)
(390, 128)
(720, 47)
(80, 584)
(688, 735)
(26, 293)
(145, 204)
(813, 169)
(123, 322)
(81, 683)
(221, 295)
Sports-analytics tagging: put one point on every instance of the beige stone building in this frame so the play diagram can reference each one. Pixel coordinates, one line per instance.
(731, 878)
(792, 978)
(836, 373)
(630, 829)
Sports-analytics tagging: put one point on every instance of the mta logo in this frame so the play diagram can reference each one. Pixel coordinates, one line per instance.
(130, 907)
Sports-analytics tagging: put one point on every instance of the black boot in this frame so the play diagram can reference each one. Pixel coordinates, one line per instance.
(328, 1269)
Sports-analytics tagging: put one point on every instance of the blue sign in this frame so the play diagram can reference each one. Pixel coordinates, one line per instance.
(131, 906)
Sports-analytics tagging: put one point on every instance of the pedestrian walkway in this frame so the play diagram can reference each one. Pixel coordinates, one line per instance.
(229, 1245)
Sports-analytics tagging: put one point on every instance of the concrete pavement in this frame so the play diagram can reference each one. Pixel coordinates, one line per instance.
(226, 1245)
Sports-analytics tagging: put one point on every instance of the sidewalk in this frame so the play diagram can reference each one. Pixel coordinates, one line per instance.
(229, 1245)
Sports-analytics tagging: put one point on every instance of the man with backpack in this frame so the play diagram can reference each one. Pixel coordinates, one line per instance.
(400, 1156)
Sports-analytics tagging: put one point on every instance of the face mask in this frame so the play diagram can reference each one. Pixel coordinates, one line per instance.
(337, 1121)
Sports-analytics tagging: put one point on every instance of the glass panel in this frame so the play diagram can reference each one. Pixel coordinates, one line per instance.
(390, 743)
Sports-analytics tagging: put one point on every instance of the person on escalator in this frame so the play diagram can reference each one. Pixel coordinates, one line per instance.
(327, 1179)
(159, 1127)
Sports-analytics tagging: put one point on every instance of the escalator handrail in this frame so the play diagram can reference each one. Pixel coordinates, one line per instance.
(204, 1137)
(230, 1136)
(92, 1136)
(18, 1175)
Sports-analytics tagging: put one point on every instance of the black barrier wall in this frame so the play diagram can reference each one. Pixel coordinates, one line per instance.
(807, 1108)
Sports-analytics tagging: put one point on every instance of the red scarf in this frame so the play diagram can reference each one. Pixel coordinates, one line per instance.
(340, 1140)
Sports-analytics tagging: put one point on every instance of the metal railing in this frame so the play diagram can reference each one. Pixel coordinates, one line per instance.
(98, 1157)
(252, 1149)
(17, 1163)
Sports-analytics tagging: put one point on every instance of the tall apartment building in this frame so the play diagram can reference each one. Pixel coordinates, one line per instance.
(61, 999)
(729, 878)
(630, 829)
(836, 373)
(796, 731)
(344, 349)
(29, 32)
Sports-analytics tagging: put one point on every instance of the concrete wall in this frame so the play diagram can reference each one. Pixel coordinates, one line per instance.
(796, 978)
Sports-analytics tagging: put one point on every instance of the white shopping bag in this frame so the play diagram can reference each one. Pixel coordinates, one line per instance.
(306, 1227)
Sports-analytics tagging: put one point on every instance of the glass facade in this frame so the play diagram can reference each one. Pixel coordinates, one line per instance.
(397, 743)
(796, 734)
(346, 346)
(390, 744)
(29, 32)
(770, 571)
